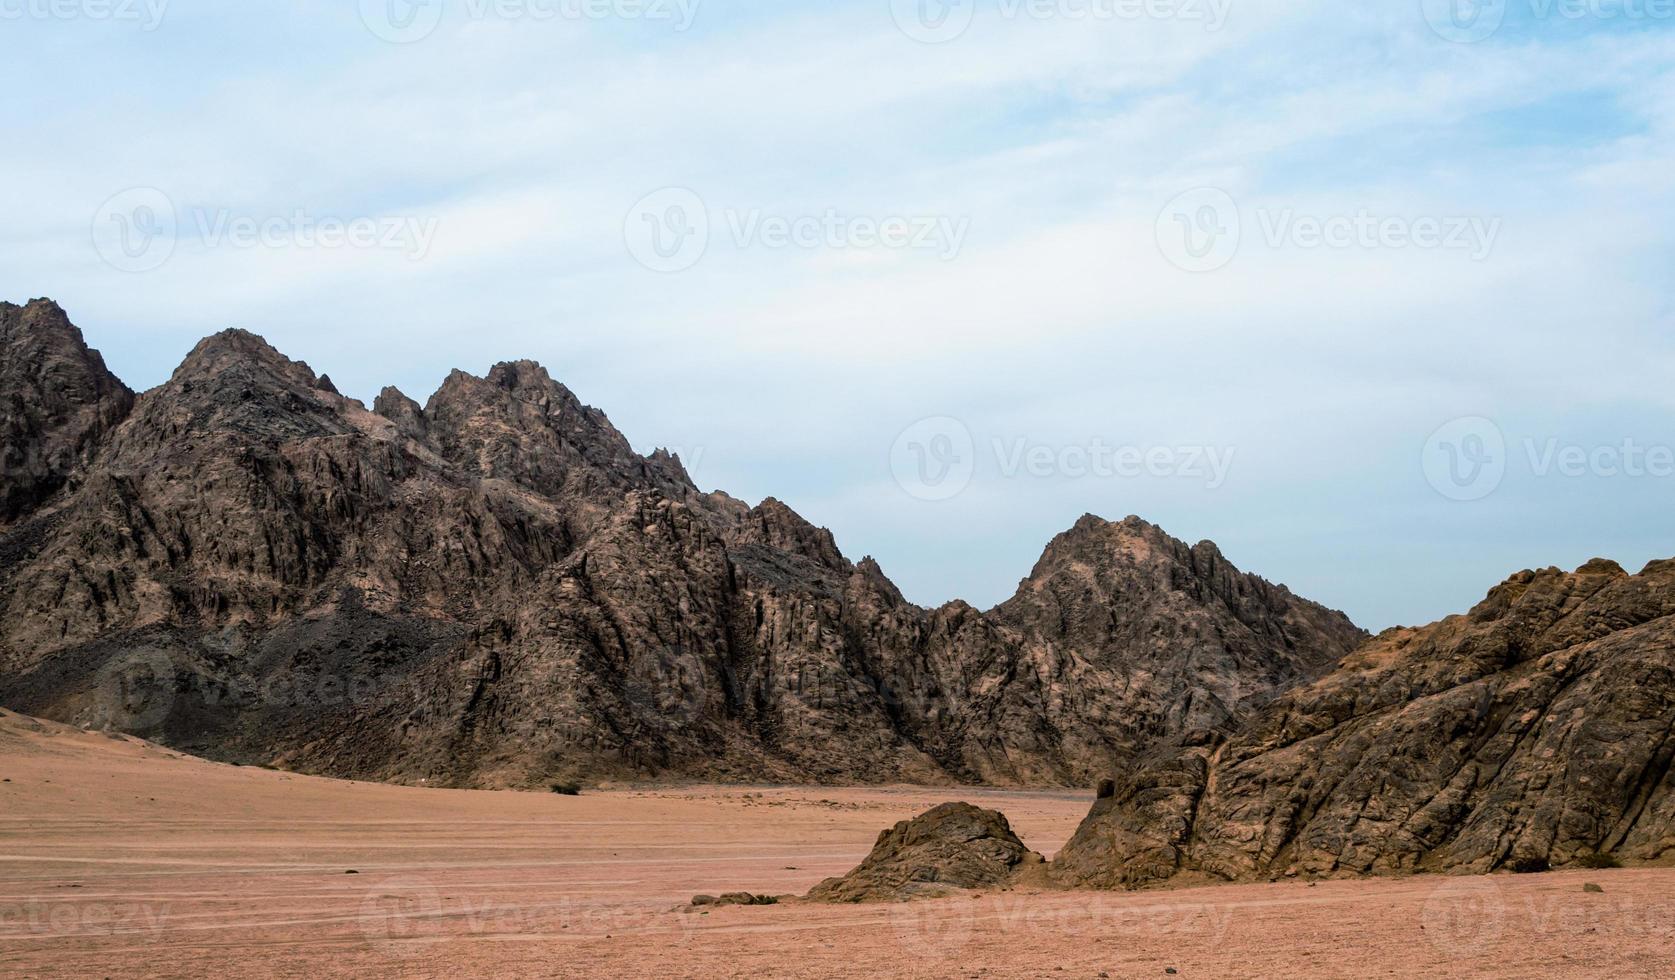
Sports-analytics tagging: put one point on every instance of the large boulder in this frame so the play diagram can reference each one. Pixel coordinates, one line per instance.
(955, 846)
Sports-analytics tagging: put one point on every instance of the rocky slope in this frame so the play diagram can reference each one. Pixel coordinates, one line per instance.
(1539, 727)
(494, 589)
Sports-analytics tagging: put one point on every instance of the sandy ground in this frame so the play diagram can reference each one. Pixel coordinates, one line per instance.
(122, 859)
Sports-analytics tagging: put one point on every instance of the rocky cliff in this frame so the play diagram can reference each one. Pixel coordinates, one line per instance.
(57, 402)
(494, 589)
(1538, 728)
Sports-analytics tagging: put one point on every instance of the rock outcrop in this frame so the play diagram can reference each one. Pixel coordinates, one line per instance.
(952, 847)
(1537, 729)
(57, 403)
(495, 589)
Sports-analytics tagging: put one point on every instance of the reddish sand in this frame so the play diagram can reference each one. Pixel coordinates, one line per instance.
(121, 859)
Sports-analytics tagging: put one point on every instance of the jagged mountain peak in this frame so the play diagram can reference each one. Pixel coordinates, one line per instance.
(522, 374)
(535, 599)
(42, 312)
(520, 424)
(408, 417)
(40, 309)
(242, 353)
(58, 401)
(1094, 542)
(775, 525)
(40, 328)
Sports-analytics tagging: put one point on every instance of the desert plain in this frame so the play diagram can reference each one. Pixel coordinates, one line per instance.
(120, 858)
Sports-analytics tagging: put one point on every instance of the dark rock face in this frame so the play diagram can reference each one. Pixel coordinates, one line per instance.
(57, 402)
(496, 590)
(1537, 729)
(954, 846)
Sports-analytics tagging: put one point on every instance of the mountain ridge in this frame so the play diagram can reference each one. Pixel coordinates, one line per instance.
(517, 595)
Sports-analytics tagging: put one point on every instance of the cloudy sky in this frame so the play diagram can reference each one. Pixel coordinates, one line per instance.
(1375, 295)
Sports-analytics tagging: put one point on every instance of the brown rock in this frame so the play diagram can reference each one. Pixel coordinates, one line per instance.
(1532, 732)
(57, 405)
(954, 846)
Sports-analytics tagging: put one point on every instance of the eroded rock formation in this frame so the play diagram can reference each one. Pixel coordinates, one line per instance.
(495, 589)
(951, 847)
(1539, 727)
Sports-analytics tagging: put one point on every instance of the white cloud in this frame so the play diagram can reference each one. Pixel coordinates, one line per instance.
(1060, 318)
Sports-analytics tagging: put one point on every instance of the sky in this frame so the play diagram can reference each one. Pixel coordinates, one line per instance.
(1377, 296)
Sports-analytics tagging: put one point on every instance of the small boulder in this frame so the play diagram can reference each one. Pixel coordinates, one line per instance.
(952, 847)
(1592, 888)
(735, 898)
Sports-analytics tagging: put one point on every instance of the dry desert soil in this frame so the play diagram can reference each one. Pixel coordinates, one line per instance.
(122, 859)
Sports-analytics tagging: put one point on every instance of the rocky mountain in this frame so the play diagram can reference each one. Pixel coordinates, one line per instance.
(57, 402)
(495, 589)
(1536, 730)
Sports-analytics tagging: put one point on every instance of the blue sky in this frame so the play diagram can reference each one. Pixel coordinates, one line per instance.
(1118, 217)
